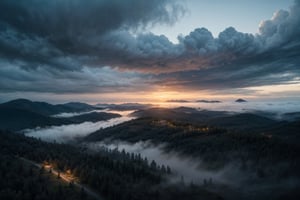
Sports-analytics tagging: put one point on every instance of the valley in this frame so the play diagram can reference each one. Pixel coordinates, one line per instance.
(214, 154)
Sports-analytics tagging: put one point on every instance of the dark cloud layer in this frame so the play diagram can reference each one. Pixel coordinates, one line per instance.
(66, 23)
(73, 27)
(64, 45)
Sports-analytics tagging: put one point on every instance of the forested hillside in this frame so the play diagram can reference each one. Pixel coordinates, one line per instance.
(24, 114)
(113, 174)
(22, 181)
(256, 160)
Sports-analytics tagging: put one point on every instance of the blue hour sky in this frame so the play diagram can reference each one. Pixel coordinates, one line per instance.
(129, 50)
(216, 15)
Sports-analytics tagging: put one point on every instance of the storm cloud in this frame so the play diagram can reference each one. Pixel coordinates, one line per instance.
(73, 46)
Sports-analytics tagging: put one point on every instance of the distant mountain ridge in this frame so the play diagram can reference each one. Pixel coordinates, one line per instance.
(81, 107)
(177, 101)
(124, 106)
(223, 119)
(240, 101)
(46, 108)
(208, 101)
(21, 114)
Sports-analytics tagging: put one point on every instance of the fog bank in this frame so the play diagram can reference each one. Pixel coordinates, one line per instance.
(73, 114)
(231, 182)
(67, 133)
(191, 169)
(278, 107)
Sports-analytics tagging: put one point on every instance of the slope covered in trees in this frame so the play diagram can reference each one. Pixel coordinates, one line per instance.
(113, 174)
(23, 114)
(22, 181)
(268, 156)
(260, 164)
(47, 109)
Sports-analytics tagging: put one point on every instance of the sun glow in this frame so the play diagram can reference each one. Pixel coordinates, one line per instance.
(167, 95)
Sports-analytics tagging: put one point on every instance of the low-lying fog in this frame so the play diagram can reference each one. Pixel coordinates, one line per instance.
(66, 115)
(278, 107)
(67, 133)
(231, 182)
(191, 170)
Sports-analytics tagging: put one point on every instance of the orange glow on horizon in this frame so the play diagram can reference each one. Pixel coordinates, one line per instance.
(163, 96)
(159, 95)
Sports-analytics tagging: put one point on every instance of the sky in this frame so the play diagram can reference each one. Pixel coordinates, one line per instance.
(217, 15)
(145, 51)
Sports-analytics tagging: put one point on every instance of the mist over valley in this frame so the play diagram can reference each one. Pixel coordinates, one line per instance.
(149, 100)
(228, 152)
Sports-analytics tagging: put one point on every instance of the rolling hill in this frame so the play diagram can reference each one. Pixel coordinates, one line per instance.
(22, 114)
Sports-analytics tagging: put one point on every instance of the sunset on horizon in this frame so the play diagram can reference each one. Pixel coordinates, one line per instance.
(149, 99)
(143, 51)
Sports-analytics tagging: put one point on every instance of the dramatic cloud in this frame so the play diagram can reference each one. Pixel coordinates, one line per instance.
(283, 28)
(200, 41)
(96, 46)
(48, 79)
(48, 31)
(71, 25)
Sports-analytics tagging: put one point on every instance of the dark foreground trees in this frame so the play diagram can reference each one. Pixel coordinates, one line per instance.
(21, 181)
(113, 174)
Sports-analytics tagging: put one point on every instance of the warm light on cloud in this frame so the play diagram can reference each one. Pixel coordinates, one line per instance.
(107, 58)
(291, 88)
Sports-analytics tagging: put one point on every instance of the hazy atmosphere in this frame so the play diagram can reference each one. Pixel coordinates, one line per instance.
(149, 99)
(100, 50)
